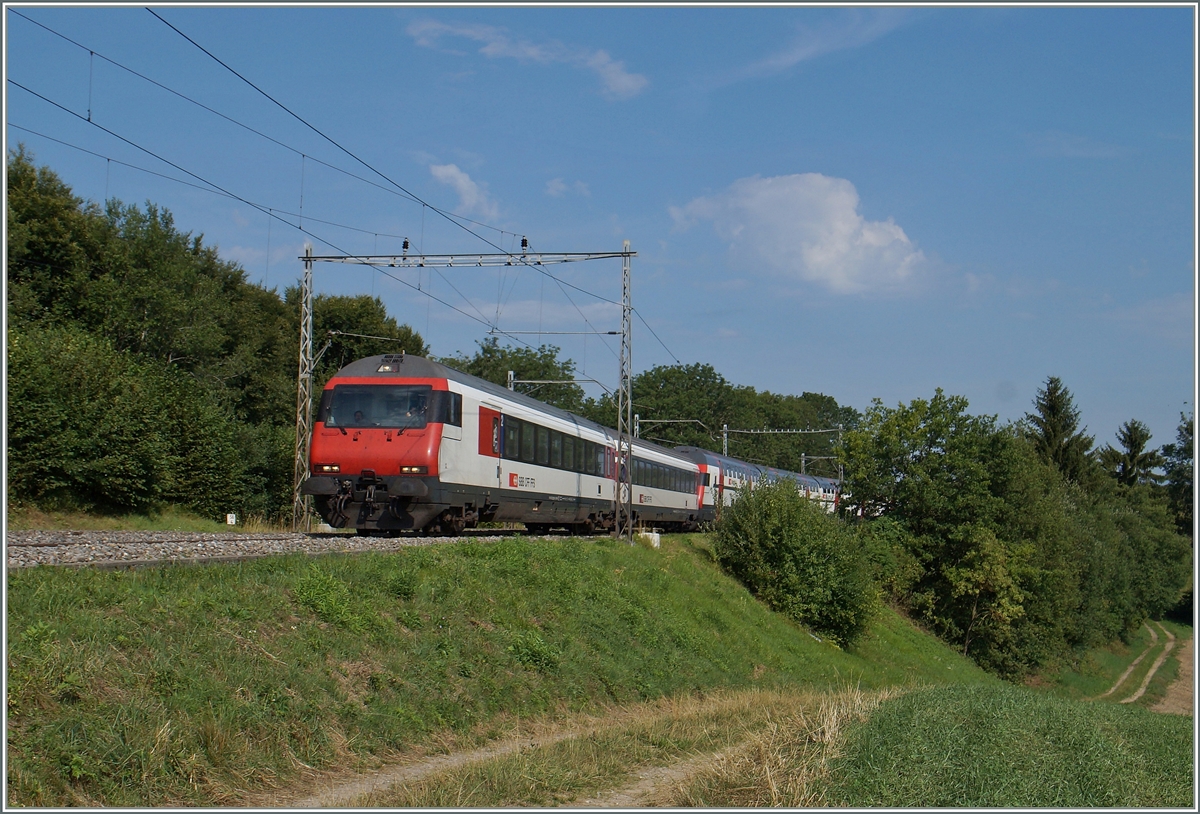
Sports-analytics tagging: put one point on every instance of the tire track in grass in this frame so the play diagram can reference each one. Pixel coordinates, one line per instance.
(342, 792)
(1158, 662)
(1133, 666)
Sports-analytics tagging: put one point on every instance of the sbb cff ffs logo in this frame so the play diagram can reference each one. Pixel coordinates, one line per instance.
(520, 481)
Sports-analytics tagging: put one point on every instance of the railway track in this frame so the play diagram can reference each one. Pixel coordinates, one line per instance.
(126, 549)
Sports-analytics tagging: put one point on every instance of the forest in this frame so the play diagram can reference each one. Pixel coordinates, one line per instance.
(145, 371)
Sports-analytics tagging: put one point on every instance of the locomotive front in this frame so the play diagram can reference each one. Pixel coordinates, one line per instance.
(373, 462)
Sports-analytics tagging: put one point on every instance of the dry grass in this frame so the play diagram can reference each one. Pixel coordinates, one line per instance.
(784, 764)
(751, 747)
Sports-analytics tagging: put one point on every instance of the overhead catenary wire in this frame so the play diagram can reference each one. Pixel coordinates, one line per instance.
(247, 202)
(202, 188)
(352, 155)
(452, 217)
(244, 126)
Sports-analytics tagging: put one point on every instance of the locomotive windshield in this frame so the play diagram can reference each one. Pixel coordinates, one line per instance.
(394, 406)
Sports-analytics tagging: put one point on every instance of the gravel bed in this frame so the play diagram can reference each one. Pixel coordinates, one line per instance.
(105, 548)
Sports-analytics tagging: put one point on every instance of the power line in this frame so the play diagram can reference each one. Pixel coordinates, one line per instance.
(454, 218)
(332, 141)
(197, 186)
(410, 196)
(267, 212)
(651, 330)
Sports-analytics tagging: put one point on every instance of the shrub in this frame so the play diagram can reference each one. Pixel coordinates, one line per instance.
(797, 559)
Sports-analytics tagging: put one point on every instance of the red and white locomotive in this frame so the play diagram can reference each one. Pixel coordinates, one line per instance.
(401, 443)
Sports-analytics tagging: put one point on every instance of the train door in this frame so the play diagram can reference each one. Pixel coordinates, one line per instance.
(491, 444)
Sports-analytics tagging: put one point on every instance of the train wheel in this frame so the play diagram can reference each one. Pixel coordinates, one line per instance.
(537, 529)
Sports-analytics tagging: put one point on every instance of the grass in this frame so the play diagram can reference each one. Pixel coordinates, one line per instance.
(1011, 747)
(169, 518)
(190, 685)
(231, 684)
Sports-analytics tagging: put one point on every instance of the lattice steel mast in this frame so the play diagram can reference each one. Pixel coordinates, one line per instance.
(624, 496)
(625, 410)
(300, 515)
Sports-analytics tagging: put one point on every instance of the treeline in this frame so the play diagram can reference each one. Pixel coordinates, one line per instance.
(144, 370)
(1023, 543)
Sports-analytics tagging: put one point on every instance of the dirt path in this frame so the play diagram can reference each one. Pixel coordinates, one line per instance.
(651, 782)
(341, 793)
(1180, 697)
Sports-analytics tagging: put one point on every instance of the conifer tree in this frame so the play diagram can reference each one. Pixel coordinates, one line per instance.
(1054, 431)
(1132, 463)
(1179, 462)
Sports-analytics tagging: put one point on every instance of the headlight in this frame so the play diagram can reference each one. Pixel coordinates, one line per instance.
(327, 468)
(414, 470)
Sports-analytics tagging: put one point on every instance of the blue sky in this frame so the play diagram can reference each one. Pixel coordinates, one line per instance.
(860, 201)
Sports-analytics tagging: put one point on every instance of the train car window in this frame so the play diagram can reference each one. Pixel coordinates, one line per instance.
(446, 407)
(569, 453)
(528, 441)
(324, 409)
(543, 445)
(556, 447)
(589, 458)
(512, 438)
(392, 406)
(708, 479)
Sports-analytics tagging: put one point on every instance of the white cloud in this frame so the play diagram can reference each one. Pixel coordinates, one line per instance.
(851, 30)
(616, 82)
(1056, 143)
(473, 196)
(808, 227)
(1167, 318)
(557, 187)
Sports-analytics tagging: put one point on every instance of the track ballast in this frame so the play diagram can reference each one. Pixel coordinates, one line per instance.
(123, 549)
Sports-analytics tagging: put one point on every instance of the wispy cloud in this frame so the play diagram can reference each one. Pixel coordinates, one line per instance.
(616, 82)
(473, 196)
(1055, 143)
(557, 187)
(808, 227)
(1168, 318)
(854, 29)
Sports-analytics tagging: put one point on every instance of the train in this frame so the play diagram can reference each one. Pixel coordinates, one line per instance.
(401, 443)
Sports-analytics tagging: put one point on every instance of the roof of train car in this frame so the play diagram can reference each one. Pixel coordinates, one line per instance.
(418, 367)
(702, 455)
